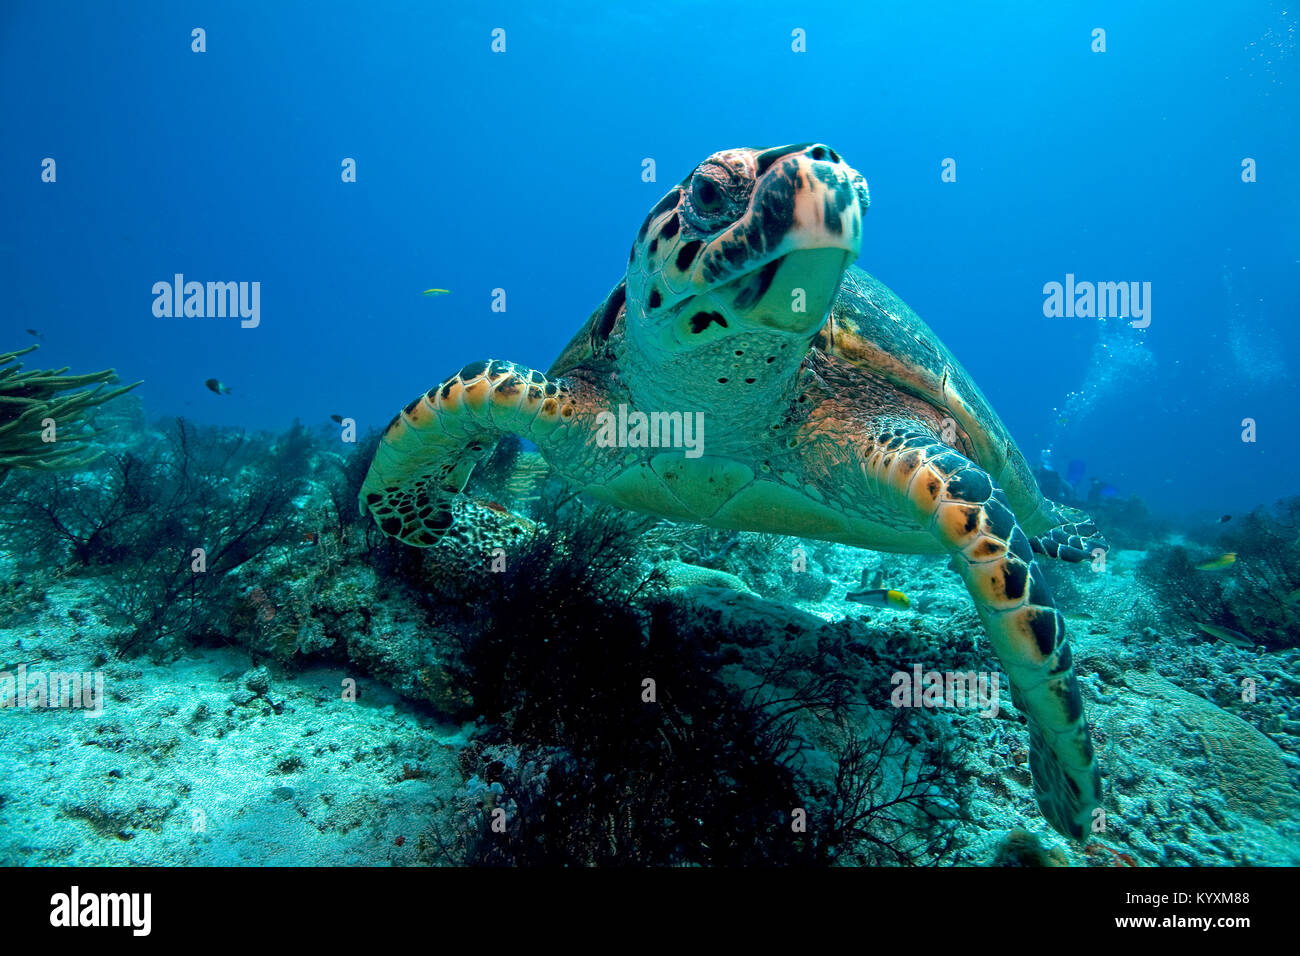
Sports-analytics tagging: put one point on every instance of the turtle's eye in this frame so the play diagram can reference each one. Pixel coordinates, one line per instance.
(715, 195)
(706, 197)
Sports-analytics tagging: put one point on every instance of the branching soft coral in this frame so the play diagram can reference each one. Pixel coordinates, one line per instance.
(29, 400)
(1254, 595)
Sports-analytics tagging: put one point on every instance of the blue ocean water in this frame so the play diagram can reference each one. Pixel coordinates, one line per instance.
(522, 170)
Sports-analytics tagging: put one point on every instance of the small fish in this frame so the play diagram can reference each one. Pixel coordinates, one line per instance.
(1219, 563)
(337, 418)
(436, 292)
(878, 596)
(1063, 420)
(1225, 519)
(1226, 634)
(216, 387)
(35, 333)
(310, 537)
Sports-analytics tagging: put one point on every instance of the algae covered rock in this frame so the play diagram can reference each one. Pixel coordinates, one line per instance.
(679, 574)
(1022, 848)
(1221, 752)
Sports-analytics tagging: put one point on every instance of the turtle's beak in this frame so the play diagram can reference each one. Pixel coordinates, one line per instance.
(805, 197)
(827, 200)
(803, 228)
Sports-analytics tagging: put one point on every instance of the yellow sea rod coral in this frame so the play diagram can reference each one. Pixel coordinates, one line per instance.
(39, 426)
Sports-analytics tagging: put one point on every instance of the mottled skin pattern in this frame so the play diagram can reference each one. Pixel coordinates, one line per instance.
(830, 411)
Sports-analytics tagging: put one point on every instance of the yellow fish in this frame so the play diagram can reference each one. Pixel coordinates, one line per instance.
(872, 593)
(435, 292)
(880, 597)
(1219, 563)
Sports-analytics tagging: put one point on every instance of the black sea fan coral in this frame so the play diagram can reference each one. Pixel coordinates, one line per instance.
(29, 401)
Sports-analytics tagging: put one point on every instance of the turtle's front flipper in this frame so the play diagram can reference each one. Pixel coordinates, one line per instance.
(958, 503)
(432, 445)
(1074, 538)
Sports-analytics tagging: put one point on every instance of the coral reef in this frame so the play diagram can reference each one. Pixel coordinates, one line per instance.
(1023, 848)
(33, 402)
(630, 692)
(1255, 597)
(173, 520)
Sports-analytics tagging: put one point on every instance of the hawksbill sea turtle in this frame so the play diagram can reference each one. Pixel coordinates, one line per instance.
(830, 411)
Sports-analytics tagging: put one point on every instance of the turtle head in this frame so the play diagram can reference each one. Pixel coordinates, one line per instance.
(753, 240)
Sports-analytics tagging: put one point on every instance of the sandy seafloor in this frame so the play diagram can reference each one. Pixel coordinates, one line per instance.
(213, 758)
